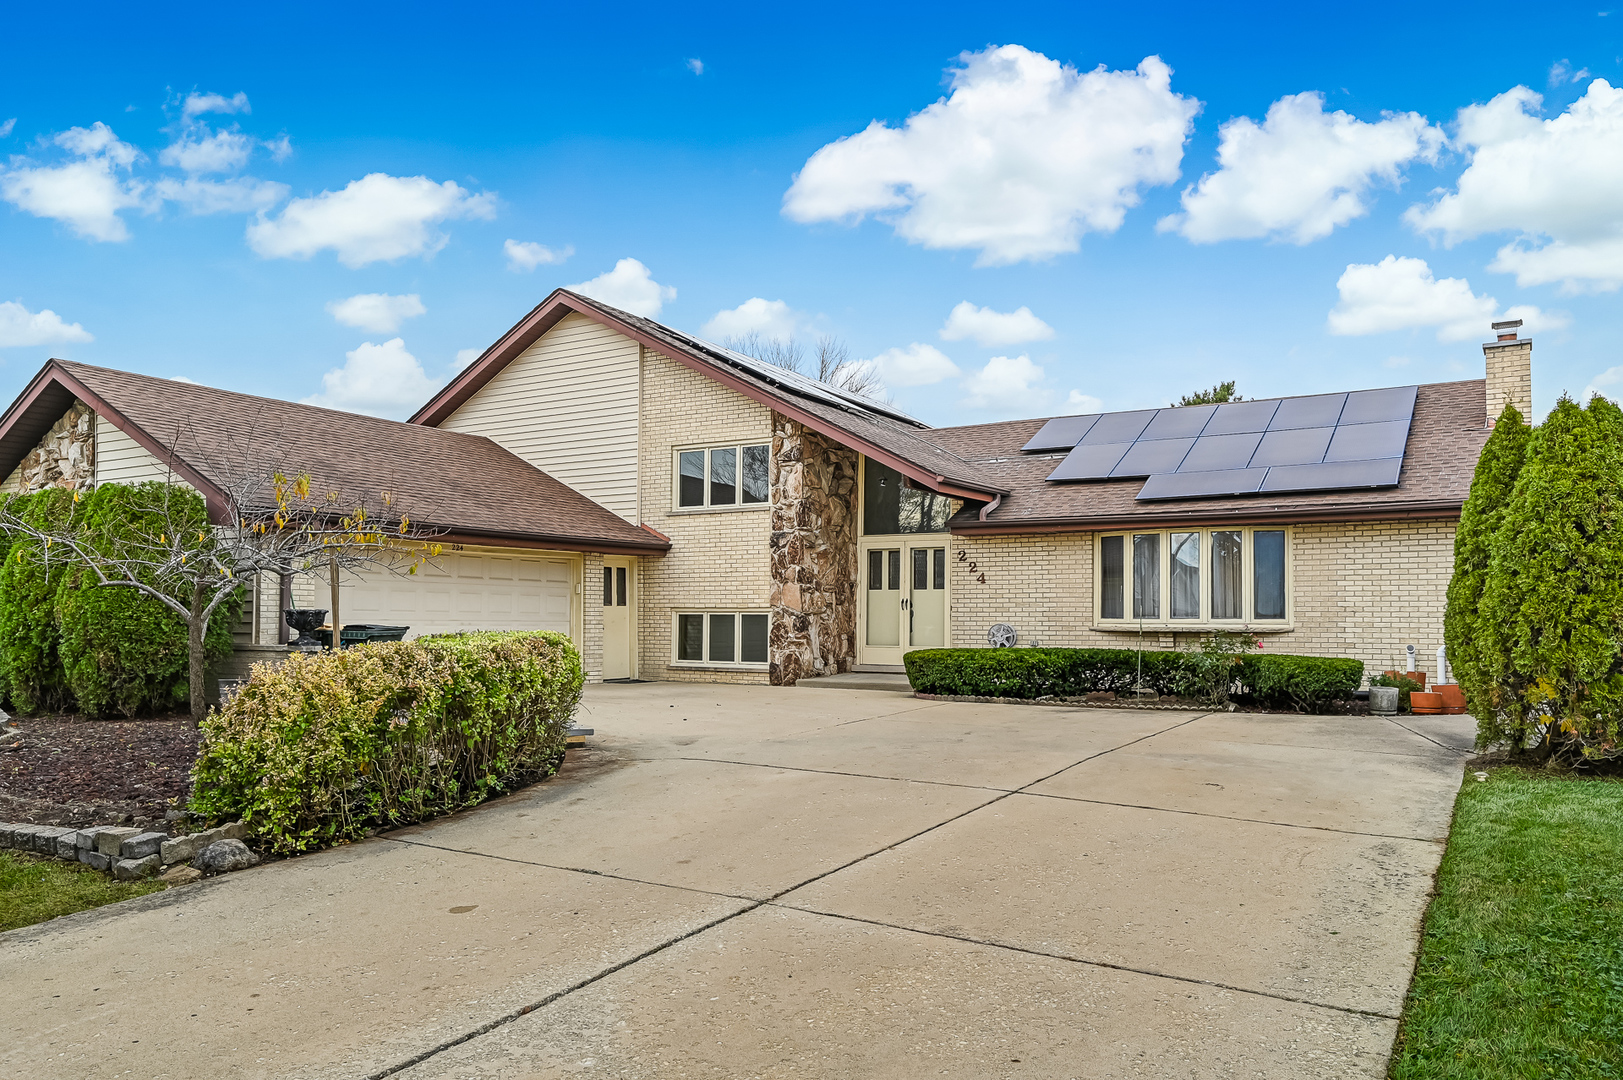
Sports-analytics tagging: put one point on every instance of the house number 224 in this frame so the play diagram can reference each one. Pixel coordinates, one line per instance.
(974, 570)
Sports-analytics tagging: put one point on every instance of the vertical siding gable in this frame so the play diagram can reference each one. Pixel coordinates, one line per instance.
(568, 405)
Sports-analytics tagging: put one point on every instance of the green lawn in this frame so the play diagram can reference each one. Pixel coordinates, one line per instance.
(34, 888)
(1521, 965)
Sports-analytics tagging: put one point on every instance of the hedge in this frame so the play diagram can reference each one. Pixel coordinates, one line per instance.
(67, 641)
(328, 746)
(1305, 683)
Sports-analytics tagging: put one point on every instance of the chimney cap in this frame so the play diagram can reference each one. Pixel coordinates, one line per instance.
(1507, 325)
(1506, 331)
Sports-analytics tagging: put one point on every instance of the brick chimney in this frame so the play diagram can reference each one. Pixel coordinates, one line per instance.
(1510, 371)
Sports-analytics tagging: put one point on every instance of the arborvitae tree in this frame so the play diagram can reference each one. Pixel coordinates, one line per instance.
(29, 634)
(1496, 472)
(1553, 605)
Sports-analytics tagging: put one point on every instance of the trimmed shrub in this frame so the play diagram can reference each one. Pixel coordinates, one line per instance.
(1491, 488)
(1299, 682)
(329, 746)
(121, 651)
(29, 631)
(1552, 609)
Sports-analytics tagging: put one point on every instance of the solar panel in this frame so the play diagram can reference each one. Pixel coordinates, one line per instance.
(1321, 410)
(1119, 427)
(1149, 456)
(1061, 433)
(1375, 406)
(1180, 423)
(1090, 462)
(1295, 446)
(1239, 416)
(1361, 442)
(1187, 485)
(1333, 475)
(1215, 452)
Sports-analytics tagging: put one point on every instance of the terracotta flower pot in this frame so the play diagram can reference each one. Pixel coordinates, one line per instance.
(1417, 676)
(1424, 704)
(1453, 698)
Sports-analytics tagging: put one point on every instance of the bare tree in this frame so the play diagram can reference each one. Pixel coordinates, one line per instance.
(829, 363)
(272, 523)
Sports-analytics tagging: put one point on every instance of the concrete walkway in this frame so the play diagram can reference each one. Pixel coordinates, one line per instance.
(757, 882)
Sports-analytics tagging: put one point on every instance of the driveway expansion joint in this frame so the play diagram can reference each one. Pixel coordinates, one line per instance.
(1228, 817)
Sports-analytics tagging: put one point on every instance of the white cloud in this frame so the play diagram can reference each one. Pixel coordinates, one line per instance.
(281, 148)
(5, 128)
(1605, 384)
(19, 326)
(203, 151)
(916, 365)
(86, 194)
(769, 318)
(1298, 174)
(1083, 403)
(198, 104)
(630, 287)
(377, 218)
(1023, 157)
(696, 66)
(464, 357)
(183, 379)
(379, 380)
(1561, 73)
(378, 312)
(525, 255)
(240, 195)
(1401, 294)
(1557, 183)
(993, 328)
(1007, 384)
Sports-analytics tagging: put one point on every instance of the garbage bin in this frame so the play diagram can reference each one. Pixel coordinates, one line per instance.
(361, 633)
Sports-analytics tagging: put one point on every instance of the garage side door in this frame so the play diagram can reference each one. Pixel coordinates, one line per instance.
(467, 592)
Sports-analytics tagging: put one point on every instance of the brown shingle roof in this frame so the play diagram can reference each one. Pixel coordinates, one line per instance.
(1445, 441)
(464, 484)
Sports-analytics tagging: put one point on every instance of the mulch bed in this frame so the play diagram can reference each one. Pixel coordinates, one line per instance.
(69, 770)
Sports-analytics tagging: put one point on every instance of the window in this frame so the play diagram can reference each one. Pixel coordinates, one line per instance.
(1194, 577)
(722, 637)
(890, 506)
(722, 476)
(614, 586)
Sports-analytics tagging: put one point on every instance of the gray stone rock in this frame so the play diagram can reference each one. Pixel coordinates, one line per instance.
(180, 875)
(7, 834)
(95, 859)
(234, 831)
(87, 837)
(110, 839)
(224, 855)
(22, 836)
(45, 839)
(181, 849)
(67, 845)
(135, 869)
(141, 845)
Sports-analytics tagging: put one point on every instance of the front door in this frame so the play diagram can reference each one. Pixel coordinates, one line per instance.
(619, 601)
(904, 588)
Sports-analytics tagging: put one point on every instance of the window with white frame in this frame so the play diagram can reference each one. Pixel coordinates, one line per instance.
(709, 638)
(1193, 576)
(722, 476)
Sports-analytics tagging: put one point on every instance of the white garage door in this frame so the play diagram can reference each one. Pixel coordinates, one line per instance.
(466, 592)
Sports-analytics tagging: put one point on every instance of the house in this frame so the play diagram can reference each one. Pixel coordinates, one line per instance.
(685, 512)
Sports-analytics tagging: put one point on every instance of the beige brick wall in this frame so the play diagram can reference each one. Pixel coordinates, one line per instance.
(591, 621)
(719, 560)
(1360, 590)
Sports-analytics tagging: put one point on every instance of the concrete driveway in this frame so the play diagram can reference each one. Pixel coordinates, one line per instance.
(761, 882)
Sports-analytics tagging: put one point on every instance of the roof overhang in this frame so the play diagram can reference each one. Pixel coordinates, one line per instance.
(561, 302)
(1173, 517)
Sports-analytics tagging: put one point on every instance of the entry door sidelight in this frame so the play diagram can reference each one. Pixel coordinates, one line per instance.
(884, 590)
(927, 600)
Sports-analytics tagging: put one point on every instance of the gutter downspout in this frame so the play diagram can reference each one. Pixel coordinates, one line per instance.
(989, 507)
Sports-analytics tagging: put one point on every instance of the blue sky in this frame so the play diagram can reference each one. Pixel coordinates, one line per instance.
(1364, 240)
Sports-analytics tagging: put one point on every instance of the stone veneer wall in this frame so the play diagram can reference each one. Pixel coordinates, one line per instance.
(814, 554)
(1361, 590)
(64, 458)
(719, 558)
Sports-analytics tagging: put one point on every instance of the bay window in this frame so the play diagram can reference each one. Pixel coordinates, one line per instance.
(1194, 577)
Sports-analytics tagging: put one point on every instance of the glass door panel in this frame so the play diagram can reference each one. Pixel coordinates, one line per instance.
(927, 600)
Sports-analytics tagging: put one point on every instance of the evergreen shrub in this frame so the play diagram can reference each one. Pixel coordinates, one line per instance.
(1309, 683)
(328, 746)
(30, 635)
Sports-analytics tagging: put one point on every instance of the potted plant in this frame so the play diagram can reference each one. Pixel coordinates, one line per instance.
(1424, 704)
(1396, 680)
(1453, 698)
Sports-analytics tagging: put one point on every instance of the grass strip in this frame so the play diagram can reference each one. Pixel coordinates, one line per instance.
(1521, 963)
(34, 888)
